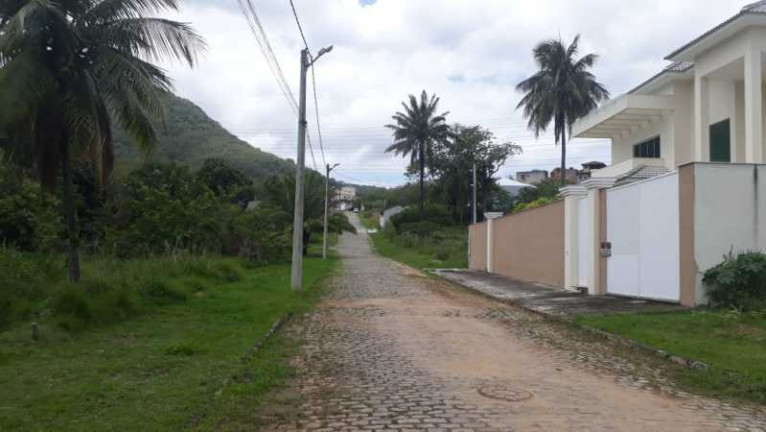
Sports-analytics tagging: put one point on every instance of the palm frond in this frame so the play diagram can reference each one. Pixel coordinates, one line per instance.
(24, 83)
(105, 11)
(154, 39)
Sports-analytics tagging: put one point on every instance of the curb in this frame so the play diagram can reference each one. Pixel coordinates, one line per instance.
(680, 360)
(266, 336)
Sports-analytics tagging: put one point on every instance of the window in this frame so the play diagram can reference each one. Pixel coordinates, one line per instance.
(720, 142)
(647, 149)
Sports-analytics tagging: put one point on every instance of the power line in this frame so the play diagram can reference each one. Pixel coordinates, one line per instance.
(316, 111)
(316, 104)
(256, 27)
(300, 28)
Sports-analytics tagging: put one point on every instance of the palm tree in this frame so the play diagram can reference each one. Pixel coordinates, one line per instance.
(563, 90)
(416, 131)
(68, 69)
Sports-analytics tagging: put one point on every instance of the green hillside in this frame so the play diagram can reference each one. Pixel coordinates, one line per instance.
(190, 136)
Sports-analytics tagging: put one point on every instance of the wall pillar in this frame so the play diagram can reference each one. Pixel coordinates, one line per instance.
(701, 119)
(688, 262)
(753, 106)
(596, 190)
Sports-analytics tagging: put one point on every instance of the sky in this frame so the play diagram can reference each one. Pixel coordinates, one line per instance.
(471, 53)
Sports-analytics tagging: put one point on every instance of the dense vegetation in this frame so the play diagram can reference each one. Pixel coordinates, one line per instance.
(156, 211)
(438, 241)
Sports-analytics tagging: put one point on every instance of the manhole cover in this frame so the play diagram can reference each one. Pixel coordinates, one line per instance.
(505, 393)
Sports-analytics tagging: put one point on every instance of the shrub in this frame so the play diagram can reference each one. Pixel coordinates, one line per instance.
(29, 218)
(434, 213)
(540, 202)
(738, 282)
(423, 229)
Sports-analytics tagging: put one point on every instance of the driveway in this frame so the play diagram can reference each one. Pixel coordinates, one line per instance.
(390, 349)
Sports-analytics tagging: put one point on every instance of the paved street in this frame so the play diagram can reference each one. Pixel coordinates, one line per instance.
(390, 349)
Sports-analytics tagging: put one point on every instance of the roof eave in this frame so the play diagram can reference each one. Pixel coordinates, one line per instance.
(685, 53)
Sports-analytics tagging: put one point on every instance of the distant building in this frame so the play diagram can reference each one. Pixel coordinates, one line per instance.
(587, 170)
(570, 175)
(513, 187)
(346, 197)
(532, 177)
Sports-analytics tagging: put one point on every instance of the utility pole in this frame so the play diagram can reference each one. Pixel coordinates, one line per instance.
(474, 194)
(326, 207)
(297, 269)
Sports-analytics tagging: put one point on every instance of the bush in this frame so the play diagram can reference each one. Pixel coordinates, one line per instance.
(34, 287)
(434, 213)
(739, 282)
(422, 229)
(29, 217)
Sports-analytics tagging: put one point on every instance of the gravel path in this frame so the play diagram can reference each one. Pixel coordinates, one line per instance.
(390, 349)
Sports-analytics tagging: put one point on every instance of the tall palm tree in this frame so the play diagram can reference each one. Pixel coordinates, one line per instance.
(416, 131)
(563, 90)
(68, 69)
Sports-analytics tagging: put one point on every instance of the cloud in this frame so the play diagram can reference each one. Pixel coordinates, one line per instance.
(472, 54)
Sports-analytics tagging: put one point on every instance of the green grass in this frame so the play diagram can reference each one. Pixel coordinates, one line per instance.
(445, 249)
(171, 364)
(734, 345)
(370, 219)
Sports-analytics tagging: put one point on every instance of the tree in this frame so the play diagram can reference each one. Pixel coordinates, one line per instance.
(416, 131)
(562, 91)
(68, 70)
(546, 190)
(227, 182)
(453, 162)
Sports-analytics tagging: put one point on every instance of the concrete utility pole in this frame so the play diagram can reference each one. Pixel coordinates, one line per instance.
(326, 207)
(297, 270)
(474, 194)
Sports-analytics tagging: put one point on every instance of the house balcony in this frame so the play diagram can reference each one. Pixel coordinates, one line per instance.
(625, 167)
(623, 115)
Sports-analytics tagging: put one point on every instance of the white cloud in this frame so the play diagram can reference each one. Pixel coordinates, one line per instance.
(471, 53)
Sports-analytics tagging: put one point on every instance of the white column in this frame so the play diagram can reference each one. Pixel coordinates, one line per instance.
(701, 119)
(753, 106)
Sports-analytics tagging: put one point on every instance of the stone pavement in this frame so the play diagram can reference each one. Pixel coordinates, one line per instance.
(390, 349)
(548, 300)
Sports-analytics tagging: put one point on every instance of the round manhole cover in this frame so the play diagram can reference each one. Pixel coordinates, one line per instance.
(505, 393)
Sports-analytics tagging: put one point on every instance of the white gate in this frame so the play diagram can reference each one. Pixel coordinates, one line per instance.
(643, 227)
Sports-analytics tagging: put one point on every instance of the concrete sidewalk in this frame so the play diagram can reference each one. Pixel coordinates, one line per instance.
(548, 300)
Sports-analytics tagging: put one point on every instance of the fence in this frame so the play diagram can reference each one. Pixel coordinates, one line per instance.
(527, 246)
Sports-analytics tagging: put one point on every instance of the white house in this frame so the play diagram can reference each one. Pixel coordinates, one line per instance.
(706, 106)
(513, 187)
(346, 197)
(687, 181)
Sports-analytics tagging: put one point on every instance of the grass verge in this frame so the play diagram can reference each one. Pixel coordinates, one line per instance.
(173, 366)
(733, 344)
(421, 253)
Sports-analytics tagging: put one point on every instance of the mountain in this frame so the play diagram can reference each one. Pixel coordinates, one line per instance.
(190, 136)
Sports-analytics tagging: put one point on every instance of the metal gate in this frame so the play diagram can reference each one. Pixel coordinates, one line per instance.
(643, 227)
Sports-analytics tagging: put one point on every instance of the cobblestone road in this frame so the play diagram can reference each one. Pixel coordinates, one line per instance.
(390, 349)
